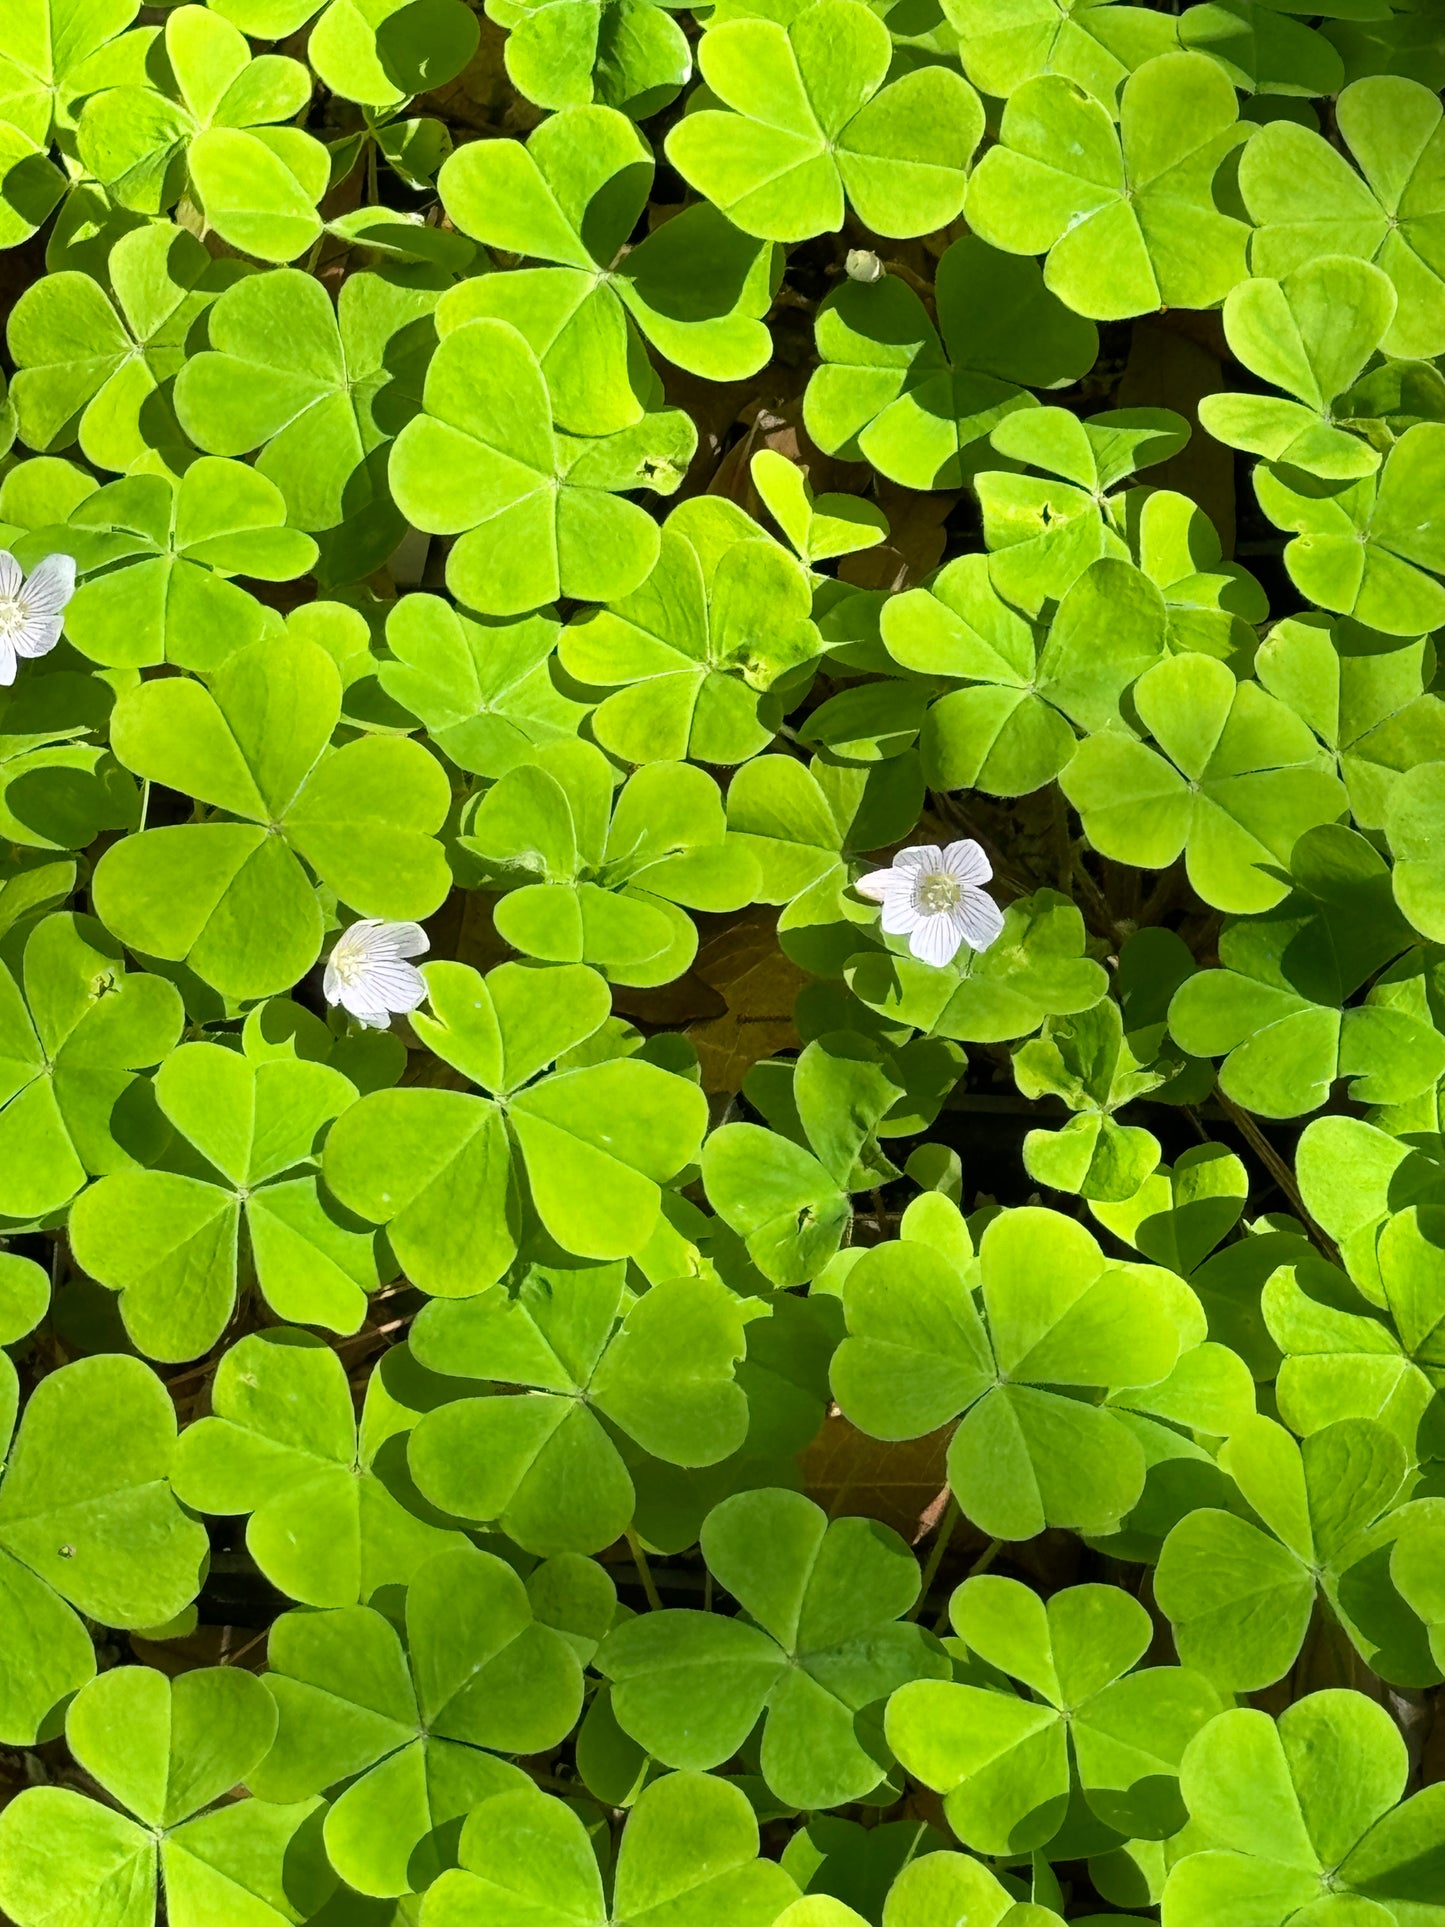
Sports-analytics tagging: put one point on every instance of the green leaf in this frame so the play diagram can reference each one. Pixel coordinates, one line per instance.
(73, 1046)
(1003, 43)
(805, 118)
(414, 1726)
(259, 190)
(696, 287)
(919, 1354)
(919, 402)
(826, 1648)
(1126, 216)
(538, 516)
(689, 656)
(1369, 549)
(98, 371)
(1242, 785)
(567, 53)
(689, 1855)
(320, 392)
(662, 1371)
(230, 896)
(1310, 334)
(1240, 1595)
(173, 547)
(1005, 1764)
(1300, 1810)
(86, 1512)
(485, 689)
(134, 138)
(1274, 1011)
(333, 1518)
(1306, 200)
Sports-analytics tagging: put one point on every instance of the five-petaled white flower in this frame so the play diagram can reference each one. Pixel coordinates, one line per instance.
(32, 612)
(935, 899)
(367, 972)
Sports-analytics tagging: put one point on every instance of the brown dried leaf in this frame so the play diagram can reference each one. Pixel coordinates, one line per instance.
(759, 984)
(851, 1475)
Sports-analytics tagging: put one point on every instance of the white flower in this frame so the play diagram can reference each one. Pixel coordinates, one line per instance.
(31, 613)
(367, 972)
(934, 898)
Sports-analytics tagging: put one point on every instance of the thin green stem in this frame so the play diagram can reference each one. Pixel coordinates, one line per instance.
(947, 1521)
(644, 1571)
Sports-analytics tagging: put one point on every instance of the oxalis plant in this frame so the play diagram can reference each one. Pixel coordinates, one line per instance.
(722, 963)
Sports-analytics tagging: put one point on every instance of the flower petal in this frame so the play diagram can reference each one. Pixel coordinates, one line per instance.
(922, 856)
(8, 663)
(38, 635)
(878, 884)
(980, 919)
(967, 862)
(937, 938)
(900, 915)
(11, 574)
(50, 586)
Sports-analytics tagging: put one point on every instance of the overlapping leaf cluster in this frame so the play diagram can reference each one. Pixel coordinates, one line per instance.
(714, 1420)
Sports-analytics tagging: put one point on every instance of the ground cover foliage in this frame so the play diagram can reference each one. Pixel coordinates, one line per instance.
(584, 1341)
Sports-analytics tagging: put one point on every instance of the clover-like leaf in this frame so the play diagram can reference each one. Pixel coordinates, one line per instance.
(918, 402)
(1369, 549)
(539, 514)
(1345, 1356)
(920, 1353)
(230, 895)
(628, 54)
(785, 1191)
(100, 371)
(689, 1856)
(807, 116)
(87, 1517)
(1312, 335)
(1363, 694)
(818, 526)
(1044, 534)
(1274, 1012)
(333, 1519)
(1004, 1764)
(1211, 605)
(73, 1045)
(1242, 785)
(544, 1462)
(171, 1240)
(1096, 44)
(1126, 215)
(820, 1649)
(383, 53)
(1240, 1595)
(485, 688)
(1011, 728)
(166, 1750)
(690, 658)
(134, 139)
(413, 1725)
(1306, 200)
(1261, 49)
(441, 1168)
(1086, 1060)
(606, 882)
(1302, 1819)
(697, 287)
(157, 555)
(321, 392)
